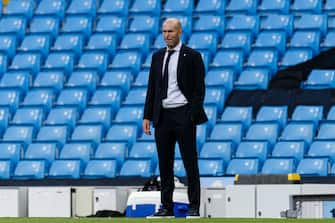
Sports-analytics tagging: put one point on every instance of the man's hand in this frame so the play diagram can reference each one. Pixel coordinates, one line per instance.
(146, 126)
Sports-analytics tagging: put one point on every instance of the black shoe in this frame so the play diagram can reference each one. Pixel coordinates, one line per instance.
(162, 213)
(193, 213)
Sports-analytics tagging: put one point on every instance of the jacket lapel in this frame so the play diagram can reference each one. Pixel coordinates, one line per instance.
(161, 59)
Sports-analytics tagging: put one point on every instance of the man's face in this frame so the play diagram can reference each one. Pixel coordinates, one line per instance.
(171, 34)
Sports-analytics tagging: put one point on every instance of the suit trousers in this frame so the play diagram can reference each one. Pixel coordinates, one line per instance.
(175, 125)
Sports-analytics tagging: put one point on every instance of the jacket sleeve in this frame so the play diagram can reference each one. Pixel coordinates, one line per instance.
(149, 100)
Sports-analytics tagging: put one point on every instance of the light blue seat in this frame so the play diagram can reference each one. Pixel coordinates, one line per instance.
(73, 97)
(112, 150)
(277, 22)
(51, 8)
(36, 43)
(276, 114)
(6, 169)
(144, 150)
(212, 113)
(55, 134)
(322, 149)
(102, 42)
(69, 42)
(77, 151)
(130, 114)
(65, 169)
(86, 7)
(136, 41)
(299, 131)
(18, 80)
(136, 96)
(24, 8)
(331, 114)
(142, 78)
(45, 25)
(3, 63)
(11, 151)
(326, 131)
(201, 136)
(10, 98)
(42, 151)
(221, 77)
(52, 80)
(147, 62)
(19, 134)
(242, 6)
(295, 56)
(8, 44)
(178, 6)
(313, 167)
(222, 150)
(320, 79)
(203, 41)
(29, 116)
(227, 132)
(107, 97)
(30, 170)
(263, 58)
(97, 115)
(114, 7)
(5, 116)
(237, 40)
(97, 169)
(238, 114)
(128, 60)
(328, 42)
(121, 79)
(111, 24)
(211, 167)
(78, 24)
(279, 6)
(24, 61)
(97, 61)
(305, 38)
(144, 23)
(229, 58)
(329, 6)
(300, 6)
(311, 113)
(240, 22)
(279, 166)
(210, 7)
(263, 132)
(86, 79)
(243, 166)
(178, 168)
(217, 96)
(249, 149)
(290, 149)
(137, 167)
(61, 61)
(209, 23)
(146, 7)
(158, 42)
(92, 133)
(13, 25)
(307, 21)
(206, 58)
(253, 79)
(272, 39)
(122, 133)
(62, 116)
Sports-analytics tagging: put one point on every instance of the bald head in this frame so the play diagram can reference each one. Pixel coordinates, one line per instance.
(172, 32)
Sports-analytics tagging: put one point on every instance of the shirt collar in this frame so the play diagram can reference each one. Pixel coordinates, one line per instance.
(176, 48)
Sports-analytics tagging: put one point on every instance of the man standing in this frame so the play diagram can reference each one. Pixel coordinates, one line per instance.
(174, 103)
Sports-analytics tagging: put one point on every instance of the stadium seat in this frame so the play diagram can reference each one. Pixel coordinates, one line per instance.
(8, 44)
(300, 6)
(248, 149)
(276, 114)
(325, 131)
(211, 167)
(279, 166)
(211, 7)
(308, 39)
(36, 43)
(45, 25)
(86, 79)
(322, 149)
(6, 169)
(137, 167)
(77, 151)
(228, 132)
(239, 22)
(269, 6)
(114, 7)
(120, 79)
(307, 21)
(313, 167)
(128, 60)
(222, 150)
(178, 6)
(144, 150)
(5, 116)
(295, 56)
(203, 41)
(136, 96)
(237, 40)
(97, 115)
(328, 42)
(65, 169)
(146, 7)
(329, 6)
(122, 133)
(30, 169)
(178, 168)
(320, 79)
(308, 113)
(51, 8)
(209, 23)
(111, 24)
(211, 112)
(24, 62)
(142, 78)
(272, 40)
(144, 24)
(24, 8)
(55, 134)
(289, 149)
(232, 59)
(221, 77)
(86, 7)
(42, 151)
(277, 22)
(299, 131)
(107, 97)
(20, 134)
(254, 78)
(102, 42)
(78, 24)
(238, 114)
(97, 61)
(216, 96)
(11, 151)
(18, 80)
(73, 97)
(263, 132)
(112, 150)
(243, 166)
(241, 7)
(10, 98)
(101, 169)
(136, 41)
(62, 116)
(28, 116)
(263, 59)
(130, 114)
(92, 133)
(60, 61)
(69, 42)
(13, 25)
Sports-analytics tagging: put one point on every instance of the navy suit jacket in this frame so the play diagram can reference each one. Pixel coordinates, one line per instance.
(190, 78)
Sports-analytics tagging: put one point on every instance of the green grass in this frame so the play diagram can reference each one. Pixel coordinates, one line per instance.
(143, 220)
